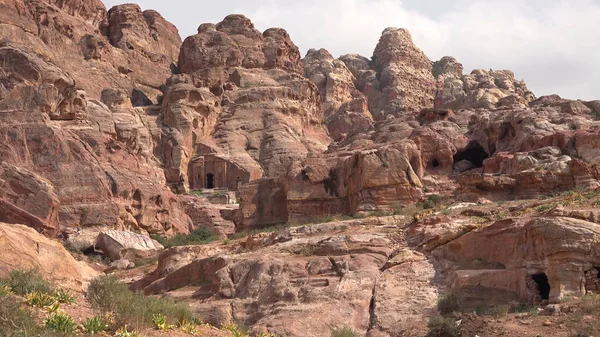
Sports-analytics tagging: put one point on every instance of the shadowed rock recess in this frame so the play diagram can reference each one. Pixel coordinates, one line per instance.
(400, 180)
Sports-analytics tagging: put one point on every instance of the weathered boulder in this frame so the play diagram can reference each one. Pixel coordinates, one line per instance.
(123, 245)
(24, 248)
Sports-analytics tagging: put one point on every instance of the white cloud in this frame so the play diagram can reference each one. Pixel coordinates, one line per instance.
(552, 44)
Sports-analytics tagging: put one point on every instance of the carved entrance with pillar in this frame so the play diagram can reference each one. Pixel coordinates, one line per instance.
(213, 171)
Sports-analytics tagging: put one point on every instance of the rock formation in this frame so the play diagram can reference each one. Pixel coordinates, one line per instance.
(24, 248)
(241, 103)
(481, 89)
(112, 129)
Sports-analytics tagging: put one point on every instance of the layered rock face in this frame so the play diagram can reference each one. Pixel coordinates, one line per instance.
(68, 159)
(125, 48)
(107, 118)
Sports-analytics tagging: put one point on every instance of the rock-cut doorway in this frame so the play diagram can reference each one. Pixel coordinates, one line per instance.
(210, 181)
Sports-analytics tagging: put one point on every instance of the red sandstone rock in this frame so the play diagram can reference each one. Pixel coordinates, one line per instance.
(23, 248)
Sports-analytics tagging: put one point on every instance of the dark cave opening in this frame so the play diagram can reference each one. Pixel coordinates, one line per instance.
(210, 181)
(473, 153)
(543, 286)
(434, 163)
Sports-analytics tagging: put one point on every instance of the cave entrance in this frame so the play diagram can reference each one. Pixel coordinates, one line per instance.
(433, 164)
(543, 286)
(473, 154)
(210, 181)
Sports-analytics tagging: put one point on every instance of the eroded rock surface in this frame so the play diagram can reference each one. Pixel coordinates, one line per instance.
(23, 248)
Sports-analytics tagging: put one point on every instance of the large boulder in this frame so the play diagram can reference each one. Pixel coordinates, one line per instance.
(24, 248)
(125, 245)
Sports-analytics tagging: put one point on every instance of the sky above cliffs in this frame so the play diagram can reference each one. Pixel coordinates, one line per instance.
(554, 45)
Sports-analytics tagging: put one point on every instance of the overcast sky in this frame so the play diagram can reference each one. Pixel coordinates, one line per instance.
(554, 45)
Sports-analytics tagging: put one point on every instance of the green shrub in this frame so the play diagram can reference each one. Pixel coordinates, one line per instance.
(344, 332)
(5, 289)
(545, 208)
(94, 325)
(236, 330)
(108, 294)
(17, 320)
(199, 236)
(61, 322)
(23, 282)
(189, 328)
(431, 202)
(160, 322)
(37, 299)
(442, 327)
(145, 262)
(64, 296)
(448, 304)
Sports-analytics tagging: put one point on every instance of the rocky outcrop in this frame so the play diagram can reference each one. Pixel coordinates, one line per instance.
(23, 248)
(481, 89)
(552, 262)
(283, 281)
(146, 32)
(28, 198)
(76, 36)
(234, 42)
(406, 80)
(242, 89)
(344, 107)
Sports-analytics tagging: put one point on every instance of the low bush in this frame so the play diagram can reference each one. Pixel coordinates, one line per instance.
(94, 325)
(64, 296)
(124, 332)
(160, 322)
(442, 327)
(17, 320)
(5, 289)
(431, 202)
(545, 208)
(344, 332)
(199, 236)
(448, 304)
(23, 282)
(61, 322)
(39, 300)
(134, 309)
(236, 330)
